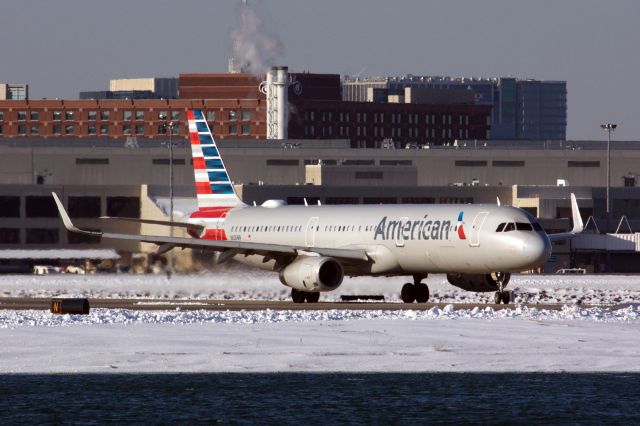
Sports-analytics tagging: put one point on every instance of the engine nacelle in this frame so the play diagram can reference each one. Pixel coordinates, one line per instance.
(313, 274)
(478, 282)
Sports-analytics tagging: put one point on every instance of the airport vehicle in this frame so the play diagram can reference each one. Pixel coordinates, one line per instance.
(314, 247)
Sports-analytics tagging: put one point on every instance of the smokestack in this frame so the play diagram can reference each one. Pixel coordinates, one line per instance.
(282, 87)
(277, 91)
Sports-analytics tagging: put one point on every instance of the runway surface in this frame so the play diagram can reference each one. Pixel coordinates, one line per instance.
(20, 303)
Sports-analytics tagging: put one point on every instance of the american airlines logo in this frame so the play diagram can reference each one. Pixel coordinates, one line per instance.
(421, 229)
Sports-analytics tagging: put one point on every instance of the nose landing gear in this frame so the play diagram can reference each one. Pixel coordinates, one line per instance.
(502, 296)
(416, 292)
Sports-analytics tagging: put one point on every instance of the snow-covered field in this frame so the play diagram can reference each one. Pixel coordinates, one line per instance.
(240, 283)
(603, 338)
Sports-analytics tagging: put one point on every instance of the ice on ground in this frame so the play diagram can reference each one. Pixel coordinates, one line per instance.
(251, 284)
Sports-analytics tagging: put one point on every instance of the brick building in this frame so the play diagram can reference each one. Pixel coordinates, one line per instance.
(236, 108)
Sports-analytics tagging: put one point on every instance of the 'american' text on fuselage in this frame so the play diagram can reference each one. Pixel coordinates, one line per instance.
(420, 229)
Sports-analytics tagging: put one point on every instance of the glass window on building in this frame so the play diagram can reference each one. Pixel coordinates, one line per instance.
(104, 129)
(139, 129)
(69, 115)
(1, 129)
(246, 115)
(175, 115)
(233, 129)
(35, 116)
(22, 115)
(42, 236)
(57, 116)
(68, 130)
(92, 115)
(91, 129)
(211, 115)
(245, 129)
(233, 115)
(126, 129)
(1, 115)
(126, 115)
(175, 129)
(139, 115)
(104, 115)
(22, 129)
(57, 129)
(35, 129)
(9, 235)
(162, 129)
(162, 115)
(40, 206)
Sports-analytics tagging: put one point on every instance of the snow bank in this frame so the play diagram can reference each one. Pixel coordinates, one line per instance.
(249, 284)
(30, 318)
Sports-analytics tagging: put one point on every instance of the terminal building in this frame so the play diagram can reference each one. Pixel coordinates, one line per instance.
(96, 178)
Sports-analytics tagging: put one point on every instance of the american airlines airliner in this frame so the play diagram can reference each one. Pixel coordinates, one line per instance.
(312, 248)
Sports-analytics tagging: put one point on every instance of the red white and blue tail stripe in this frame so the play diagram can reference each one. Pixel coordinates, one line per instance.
(213, 186)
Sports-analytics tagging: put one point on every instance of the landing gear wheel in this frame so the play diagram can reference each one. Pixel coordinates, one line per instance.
(502, 297)
(421, 292)
(297, 296)
(312, 297)
(408, 294)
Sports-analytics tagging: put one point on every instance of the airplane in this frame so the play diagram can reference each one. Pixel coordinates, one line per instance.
(313, 248)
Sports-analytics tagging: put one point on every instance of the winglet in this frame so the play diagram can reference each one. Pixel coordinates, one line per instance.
(67, 221)
(578, 226)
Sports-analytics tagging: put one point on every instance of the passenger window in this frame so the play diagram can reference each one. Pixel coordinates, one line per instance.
(500, 227)
(521, 226)
(510, 227)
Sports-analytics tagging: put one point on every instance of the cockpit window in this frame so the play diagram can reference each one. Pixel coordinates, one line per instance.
(536, 226)
(523, 226)
(510, 227)
(500, 227)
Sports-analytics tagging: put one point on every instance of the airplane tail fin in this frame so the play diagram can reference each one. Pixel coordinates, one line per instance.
(213, 186)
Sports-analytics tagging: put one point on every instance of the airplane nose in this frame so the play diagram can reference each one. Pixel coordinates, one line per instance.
(536, 249)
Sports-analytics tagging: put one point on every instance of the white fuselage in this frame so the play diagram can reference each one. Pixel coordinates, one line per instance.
(399, 239)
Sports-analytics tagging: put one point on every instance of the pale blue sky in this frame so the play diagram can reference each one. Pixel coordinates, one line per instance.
(64, 46)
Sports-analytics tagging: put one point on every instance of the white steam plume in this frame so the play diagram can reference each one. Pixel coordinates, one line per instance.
(254, 49)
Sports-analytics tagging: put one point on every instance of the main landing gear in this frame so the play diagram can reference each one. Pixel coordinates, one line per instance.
(502, 295)
(299, 296)
(416, 292)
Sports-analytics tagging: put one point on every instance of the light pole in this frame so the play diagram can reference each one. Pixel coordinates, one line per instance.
(608, 127)
(169, 128)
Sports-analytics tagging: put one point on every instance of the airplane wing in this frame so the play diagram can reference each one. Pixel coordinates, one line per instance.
(229, 248)
(578, 226)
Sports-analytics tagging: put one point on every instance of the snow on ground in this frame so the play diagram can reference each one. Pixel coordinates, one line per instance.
(573, 339)
(602, 338)
(240, 283)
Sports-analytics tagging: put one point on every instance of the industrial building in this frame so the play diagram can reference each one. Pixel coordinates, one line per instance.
(521, 109)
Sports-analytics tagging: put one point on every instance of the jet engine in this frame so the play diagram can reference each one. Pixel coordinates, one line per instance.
(313, 274)
(479, 282)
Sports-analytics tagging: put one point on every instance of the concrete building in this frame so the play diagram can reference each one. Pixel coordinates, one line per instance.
(521, 109)
(137, 88)
(17, 92)
(94, 178)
